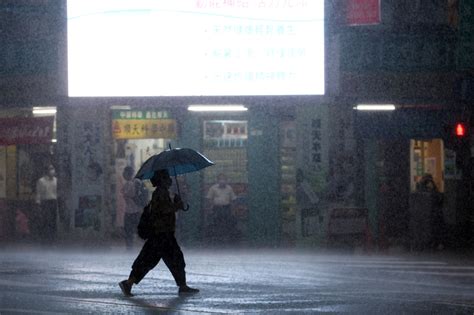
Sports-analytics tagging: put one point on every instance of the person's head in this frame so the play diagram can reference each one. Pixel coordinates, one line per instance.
(128, 172)
(51, 172)
(221, 179)
(161, 178)
(427, 182)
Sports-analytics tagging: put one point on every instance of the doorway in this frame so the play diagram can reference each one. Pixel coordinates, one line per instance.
(225, 143)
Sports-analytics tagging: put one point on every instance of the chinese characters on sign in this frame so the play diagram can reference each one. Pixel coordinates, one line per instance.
(143, 125)
(26, 130)
(316, 142)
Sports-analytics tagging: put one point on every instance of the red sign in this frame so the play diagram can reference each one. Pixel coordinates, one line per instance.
(363, 12)
(26, 130)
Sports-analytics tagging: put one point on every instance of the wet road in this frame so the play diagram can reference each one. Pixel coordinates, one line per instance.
(254, 281)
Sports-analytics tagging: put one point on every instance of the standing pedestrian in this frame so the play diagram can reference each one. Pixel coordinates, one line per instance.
(428, 186)
(221, 195)
(47, 201)
(130, 190)
(162, 242)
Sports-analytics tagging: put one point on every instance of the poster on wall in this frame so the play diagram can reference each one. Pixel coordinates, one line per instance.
(3, 169)
(120, 165)
(26, 173)
(88, 211)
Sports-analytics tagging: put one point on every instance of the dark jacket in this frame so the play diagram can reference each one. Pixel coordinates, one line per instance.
(163, 211)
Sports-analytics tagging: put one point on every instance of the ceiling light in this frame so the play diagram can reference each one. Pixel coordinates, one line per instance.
(39, 111)
(121, 107)
(375, 107)
(217, 108)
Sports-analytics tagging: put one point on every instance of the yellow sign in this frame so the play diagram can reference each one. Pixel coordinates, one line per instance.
(144, 128)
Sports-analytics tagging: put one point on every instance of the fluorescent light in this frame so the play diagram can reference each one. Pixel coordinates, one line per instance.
(121, 107)
(54, 140)
(375, 107)
(217, 108)
(38, 111)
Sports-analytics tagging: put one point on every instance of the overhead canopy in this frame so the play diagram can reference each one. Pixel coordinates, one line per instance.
(403, 124)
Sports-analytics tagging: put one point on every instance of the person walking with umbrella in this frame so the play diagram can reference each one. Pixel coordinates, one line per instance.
(161, 241)
(162, 244)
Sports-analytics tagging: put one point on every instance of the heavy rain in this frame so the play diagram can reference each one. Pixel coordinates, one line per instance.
(236, 156)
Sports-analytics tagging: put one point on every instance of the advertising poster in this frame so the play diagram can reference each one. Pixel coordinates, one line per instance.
(88, 211)
(3, 168)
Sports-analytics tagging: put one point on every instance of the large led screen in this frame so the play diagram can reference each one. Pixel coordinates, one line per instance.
(195, 47)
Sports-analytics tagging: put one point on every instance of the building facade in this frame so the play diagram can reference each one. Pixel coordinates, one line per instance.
(376, 53)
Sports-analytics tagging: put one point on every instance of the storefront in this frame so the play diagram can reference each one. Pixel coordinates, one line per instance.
(402, 151)
(27, 147)
(137, 135)
(225, 143)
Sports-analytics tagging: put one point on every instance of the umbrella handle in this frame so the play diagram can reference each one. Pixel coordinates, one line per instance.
(186, 208)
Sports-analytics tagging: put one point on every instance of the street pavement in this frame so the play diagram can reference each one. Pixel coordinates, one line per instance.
(254, 281)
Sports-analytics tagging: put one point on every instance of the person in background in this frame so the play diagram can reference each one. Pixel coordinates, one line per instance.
(132, 209)
(427, 185)
(47, 200)
(221, 195)
(162, 241)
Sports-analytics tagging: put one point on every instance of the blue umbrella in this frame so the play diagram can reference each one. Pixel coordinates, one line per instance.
(177, 161)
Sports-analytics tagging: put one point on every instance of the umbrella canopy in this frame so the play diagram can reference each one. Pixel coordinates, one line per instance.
(177, 161)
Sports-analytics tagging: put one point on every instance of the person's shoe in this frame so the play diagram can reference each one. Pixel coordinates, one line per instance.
(126, 288)
(184, 289)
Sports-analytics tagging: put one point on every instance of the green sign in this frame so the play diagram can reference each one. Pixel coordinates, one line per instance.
(140, 114)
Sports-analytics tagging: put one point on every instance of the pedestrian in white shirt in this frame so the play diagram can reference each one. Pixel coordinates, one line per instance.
(47, 200)
(221, 195)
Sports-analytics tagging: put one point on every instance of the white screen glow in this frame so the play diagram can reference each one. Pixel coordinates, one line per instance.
(195, 47)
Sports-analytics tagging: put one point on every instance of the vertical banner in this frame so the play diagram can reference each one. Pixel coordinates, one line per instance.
(312, 137)
(88, 167)
(3, 172)
(312, 167)
(363, 12)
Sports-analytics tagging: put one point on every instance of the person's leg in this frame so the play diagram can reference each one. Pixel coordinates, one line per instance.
(174, 259)
(41, 224)
(49, 221)
(54, 219)
(148, 258)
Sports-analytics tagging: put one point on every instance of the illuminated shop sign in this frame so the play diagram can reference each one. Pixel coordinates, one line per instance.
(143, 125)
(26, 130)
(195, 47)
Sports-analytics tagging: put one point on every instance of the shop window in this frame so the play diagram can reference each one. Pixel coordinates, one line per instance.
(427, 157)
(225, 143)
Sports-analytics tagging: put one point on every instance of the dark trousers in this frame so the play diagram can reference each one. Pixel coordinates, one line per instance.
(165, 246)
(223, 229)
(130, 226)
(47, 227)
